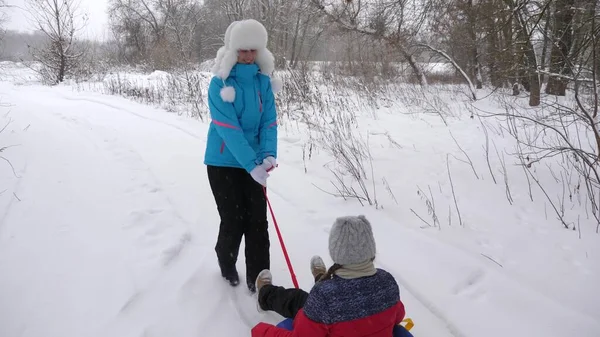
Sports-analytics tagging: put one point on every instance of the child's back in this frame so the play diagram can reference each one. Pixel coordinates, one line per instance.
(366, 306)
(351, 299)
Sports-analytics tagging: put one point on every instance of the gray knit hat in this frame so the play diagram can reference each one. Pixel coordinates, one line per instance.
(351, 240)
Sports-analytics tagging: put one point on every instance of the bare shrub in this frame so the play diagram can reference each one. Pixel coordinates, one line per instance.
(562, 132)
(350, 154)
(181, 92)
(327, 97)
(6, 147)
(61, 55)
(453, 191)
(431, 209)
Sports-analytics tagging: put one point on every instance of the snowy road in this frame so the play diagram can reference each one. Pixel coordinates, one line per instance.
(114, 231)
(109, 227)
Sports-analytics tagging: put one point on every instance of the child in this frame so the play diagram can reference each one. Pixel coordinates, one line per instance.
(352, 298)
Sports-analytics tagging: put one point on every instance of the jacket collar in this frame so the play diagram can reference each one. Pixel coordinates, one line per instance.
(244, 71)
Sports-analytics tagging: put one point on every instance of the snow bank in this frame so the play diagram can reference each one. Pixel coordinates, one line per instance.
(114, 226)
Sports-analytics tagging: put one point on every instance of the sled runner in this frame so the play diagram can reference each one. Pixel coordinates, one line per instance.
(399, 331)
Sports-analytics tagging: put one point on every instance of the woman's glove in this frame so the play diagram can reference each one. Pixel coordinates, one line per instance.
(269, 163)
(260, 175)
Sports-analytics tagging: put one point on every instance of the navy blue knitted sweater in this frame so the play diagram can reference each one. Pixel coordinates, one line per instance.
(339, 300)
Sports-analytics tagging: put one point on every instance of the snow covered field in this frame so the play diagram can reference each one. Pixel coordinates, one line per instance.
(107, 223)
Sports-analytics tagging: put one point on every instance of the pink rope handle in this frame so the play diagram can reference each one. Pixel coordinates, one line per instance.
(285, 253)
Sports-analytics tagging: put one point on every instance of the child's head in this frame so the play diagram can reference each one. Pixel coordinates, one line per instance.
(351, 240)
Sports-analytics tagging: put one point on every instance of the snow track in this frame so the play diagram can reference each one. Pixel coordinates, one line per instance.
(160, 275)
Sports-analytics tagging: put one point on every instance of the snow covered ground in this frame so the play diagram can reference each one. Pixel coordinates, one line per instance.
(107, 224)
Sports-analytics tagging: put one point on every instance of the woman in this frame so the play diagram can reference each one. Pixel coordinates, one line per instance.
(242, 147)
(352, 298)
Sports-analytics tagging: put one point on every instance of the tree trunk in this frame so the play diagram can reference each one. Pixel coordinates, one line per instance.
(62, 67)
(511, 59)
(562, 38)
(302, 41)
(418, 72)
(62, 63)
(490, 41)
(295, 53)
(530, 72)
(545, 48)
(475, 66)
(495, 53)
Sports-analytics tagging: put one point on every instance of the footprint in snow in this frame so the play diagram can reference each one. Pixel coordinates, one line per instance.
(150, 188)
(290, 140)
(172, 253)
(137, 218)
(131, 302)
(467, 287)
(154, 189)
(155, 231)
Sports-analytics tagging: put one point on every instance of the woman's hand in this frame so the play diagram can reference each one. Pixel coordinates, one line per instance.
(260, 175)
(269, 163)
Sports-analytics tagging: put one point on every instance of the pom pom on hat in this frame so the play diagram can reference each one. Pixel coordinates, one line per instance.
(276, 84)
(228, 94)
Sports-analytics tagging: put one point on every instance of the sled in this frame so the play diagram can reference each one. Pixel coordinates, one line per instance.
(399, 330)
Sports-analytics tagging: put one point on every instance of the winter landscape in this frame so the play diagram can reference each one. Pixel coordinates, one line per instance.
(478, 170)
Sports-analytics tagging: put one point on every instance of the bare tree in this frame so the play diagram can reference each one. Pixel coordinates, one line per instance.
(567, 130)
(3, 19)
(519, 42)
(386, 21)
(293, 26)
(562, 39)
(3, 15)
(458, 36)
(60, 21)
(458, 68)
(138, 27)
(165, 33)
(571, 40)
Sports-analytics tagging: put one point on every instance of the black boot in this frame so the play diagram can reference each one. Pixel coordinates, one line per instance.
(251, 286)
(231, 275)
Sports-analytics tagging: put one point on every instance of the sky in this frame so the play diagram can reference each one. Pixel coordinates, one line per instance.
(96, 10)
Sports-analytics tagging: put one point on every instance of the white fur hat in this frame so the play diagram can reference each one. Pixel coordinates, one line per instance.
(244, 34)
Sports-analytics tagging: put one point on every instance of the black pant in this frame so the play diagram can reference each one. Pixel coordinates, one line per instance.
(243, 210)
(286, 302)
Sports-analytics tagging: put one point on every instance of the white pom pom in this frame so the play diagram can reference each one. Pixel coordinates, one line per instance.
(228, 94)
(276, 85)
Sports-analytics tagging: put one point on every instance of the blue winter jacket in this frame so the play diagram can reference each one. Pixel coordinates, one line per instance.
(244, 132)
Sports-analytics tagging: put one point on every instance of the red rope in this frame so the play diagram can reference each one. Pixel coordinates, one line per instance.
(285, 254)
